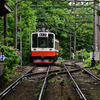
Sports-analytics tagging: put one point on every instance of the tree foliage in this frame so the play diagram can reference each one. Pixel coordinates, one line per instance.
(60, 20)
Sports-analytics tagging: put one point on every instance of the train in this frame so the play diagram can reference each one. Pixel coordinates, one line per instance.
(44, 47)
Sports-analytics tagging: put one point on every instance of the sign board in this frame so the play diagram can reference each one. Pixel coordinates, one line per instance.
(91, 55)
(96, 57)
(3, 57)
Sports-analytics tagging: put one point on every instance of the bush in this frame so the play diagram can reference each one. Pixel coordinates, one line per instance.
(82, 54)
(12, 59)
(87, 63)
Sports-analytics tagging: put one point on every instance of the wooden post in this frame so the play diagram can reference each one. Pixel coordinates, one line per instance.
(5, 29)
(70, 45)
(62, 84)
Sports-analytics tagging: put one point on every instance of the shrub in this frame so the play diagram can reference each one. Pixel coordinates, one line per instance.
(82, 54)
(12, 59)
(87, 63)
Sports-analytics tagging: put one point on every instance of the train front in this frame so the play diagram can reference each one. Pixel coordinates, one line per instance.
(42, 47)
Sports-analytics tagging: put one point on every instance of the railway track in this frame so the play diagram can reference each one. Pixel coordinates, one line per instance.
(75, 85)
(43, 75)
(44, 84)
(78, 81)
(79, 91)
(13, 85)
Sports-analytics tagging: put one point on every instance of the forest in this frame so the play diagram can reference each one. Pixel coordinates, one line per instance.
(59, 17)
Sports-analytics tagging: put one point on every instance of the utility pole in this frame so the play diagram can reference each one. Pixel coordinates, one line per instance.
(70, 45)
(75, 40)
(15, 26)
(99, 30)
(95, 29)
(20, 18)
(5, 29)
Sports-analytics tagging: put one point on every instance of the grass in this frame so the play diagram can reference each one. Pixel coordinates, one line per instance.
(50, 81)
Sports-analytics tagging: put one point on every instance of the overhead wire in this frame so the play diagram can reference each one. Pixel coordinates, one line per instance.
(74, 6)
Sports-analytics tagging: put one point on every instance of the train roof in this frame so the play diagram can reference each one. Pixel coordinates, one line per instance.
(42, 31)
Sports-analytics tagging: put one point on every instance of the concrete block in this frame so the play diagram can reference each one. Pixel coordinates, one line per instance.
(2, 68)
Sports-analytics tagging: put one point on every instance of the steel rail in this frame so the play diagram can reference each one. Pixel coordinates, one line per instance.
(93, 76)
(52, 71)
(53, 74)
(44, 83)
(75, 85)
(31, 74)
(13, 85)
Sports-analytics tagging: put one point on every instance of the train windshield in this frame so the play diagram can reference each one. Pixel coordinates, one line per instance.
(42, 42)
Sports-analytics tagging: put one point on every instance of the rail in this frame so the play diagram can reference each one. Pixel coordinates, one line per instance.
(75, 85)
(44, 83)
(89, 73)
(93, 76)
(13, 85)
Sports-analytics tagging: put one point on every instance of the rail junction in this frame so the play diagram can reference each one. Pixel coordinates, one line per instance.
(56, 74)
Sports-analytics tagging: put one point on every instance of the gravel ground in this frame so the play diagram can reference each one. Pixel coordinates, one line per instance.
(30, 89)
(18, 72)
(88, 85)
(54, 90)
(27, 90)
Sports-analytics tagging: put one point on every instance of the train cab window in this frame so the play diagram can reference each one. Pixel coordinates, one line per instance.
(34, 38)
(42, 42)
(50, 40)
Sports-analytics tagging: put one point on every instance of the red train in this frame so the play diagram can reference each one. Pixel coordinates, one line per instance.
(44, 47)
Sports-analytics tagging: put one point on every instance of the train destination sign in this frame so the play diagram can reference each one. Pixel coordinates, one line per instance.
(42, 34)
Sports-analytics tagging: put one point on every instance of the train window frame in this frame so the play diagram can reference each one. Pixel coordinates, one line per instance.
(51, 40)
(36, 41)
(56, 45)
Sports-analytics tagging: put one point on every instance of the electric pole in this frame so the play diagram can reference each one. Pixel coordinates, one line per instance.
(15, 26)
(20, 18)
(75, 40)
(95, 28)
